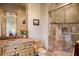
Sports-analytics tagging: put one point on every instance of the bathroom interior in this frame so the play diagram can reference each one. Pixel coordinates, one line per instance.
(39, 29)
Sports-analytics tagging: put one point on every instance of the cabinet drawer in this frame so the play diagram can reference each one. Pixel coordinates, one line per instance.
(24, 52)
(29, 44)
(9, 49)
(26, 45)
(13, 48)
(19, 47)
(9, 54)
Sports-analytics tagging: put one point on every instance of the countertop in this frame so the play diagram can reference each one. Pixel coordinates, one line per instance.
(10, 42)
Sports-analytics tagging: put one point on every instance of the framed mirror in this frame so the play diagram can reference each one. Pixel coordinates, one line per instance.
(10, 23)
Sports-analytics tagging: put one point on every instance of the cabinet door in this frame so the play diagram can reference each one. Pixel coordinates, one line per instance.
(20, 46)
(1, 51)
(9, 49)
(31, 51)
(28, 44)
(17, 45)
(25, 52)
(9, 54)
(59, 15)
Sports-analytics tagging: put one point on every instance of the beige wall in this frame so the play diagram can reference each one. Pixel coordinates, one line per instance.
(34, 13)
(3, 21)
(21, 13)
(38, 11)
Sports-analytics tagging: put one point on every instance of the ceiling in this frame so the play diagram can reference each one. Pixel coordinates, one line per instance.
(19, 4)
(22, 4)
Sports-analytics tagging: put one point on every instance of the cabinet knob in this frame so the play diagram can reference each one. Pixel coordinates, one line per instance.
(17, 54)
(15, 48)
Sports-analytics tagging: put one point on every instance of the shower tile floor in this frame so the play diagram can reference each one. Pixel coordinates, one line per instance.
(61, 53)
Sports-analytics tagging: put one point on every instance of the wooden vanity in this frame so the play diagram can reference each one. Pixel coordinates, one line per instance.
(17, 47)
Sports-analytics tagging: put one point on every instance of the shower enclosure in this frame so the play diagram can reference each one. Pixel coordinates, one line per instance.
(63, 27)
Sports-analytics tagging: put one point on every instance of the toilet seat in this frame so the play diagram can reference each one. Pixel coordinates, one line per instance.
(38, 48)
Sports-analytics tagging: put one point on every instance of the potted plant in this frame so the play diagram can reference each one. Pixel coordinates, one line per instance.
(24, 33)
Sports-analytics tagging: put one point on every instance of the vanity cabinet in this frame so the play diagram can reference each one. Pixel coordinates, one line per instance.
(19, 48)
(23, 52)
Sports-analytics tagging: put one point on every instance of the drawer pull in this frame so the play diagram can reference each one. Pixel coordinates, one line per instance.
(15, 48)
(14, 55)
(17, 54)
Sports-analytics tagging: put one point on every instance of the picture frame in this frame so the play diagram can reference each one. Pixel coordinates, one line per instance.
(35, 21)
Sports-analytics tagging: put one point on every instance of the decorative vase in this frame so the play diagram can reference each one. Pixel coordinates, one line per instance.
(24, 36)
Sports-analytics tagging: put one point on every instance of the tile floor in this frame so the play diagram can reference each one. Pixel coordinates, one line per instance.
(61, 53)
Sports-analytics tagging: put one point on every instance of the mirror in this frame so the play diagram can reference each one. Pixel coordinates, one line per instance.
(10, 24)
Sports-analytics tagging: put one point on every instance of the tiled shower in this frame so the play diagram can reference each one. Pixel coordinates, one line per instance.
(64, 27)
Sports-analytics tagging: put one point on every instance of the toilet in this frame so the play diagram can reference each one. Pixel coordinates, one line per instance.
(41, 52)
(39, 48)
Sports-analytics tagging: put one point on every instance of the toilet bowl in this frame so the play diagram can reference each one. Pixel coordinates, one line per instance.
(39, 48)
(41, 52)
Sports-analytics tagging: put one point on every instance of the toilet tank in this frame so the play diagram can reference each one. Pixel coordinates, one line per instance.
(38, 43)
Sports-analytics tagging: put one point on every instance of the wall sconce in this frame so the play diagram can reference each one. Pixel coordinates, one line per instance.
(24, 22)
